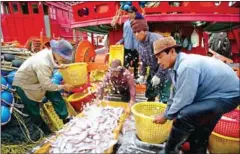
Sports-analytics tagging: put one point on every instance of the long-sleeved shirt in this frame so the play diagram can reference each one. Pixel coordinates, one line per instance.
(128, 36)
(123, 82)
(196, 78)
(147, 57)
(34, 75)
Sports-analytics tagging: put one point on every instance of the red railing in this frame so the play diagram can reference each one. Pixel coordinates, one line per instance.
(94, 10)
(98, 10)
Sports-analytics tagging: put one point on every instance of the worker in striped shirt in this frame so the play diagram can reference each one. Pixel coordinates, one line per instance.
(158, 80)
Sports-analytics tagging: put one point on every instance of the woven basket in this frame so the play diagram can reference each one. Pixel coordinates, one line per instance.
(219, 144)
(148, 131)
(75, 74)
(229, 127)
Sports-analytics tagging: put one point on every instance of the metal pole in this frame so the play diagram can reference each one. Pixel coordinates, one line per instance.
(74, 35)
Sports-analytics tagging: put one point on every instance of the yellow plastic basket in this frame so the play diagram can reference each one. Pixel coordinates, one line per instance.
(97, 75)
(116, 52)
(75, 74)
(52, 119)
(148, 131)
(219, 144)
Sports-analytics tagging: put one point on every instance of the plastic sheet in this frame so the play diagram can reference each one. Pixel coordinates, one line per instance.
(131, 144)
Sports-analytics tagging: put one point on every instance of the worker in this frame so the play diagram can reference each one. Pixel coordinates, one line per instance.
(120, 81)
(33, 81)
(130, 53)
(157, 75)
(203, 90)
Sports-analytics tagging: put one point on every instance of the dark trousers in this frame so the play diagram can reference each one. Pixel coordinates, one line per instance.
(164, 90)
(151, 92)
(33, 108)
(131, 59)
(125, 96)
(199, 119)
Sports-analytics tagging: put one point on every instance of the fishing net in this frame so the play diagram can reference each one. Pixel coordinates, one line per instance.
(20, 135)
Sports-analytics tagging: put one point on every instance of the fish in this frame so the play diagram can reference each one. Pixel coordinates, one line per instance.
(92, 133)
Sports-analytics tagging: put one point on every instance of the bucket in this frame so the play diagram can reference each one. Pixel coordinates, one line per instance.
(79, 100)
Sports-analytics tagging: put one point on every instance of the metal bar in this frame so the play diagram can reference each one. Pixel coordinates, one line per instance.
(194, 17)
(167, 17)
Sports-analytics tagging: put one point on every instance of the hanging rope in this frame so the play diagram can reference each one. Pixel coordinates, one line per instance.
(116, 18)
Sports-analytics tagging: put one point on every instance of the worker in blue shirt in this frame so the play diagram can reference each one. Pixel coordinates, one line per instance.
(203, 90)
(130, 52)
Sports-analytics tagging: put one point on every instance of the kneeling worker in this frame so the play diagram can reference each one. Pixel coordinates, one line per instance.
(120, 81)
(33, 81)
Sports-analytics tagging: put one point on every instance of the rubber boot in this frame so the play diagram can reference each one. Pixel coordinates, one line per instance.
(199, 145)
(45, 128)
(66, 120)
(175, 140)
(151, 99)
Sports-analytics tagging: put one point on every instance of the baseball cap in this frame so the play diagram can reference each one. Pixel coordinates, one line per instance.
(132, 9)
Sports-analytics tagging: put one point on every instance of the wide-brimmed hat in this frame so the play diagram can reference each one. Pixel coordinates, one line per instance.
(62, 48)
(164, 44)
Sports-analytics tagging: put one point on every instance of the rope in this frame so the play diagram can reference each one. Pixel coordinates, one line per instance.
(16, 148)
(23, 114)
(21, 146)
(25, 130)
(20, 106)
(116, 18)
(7, 88)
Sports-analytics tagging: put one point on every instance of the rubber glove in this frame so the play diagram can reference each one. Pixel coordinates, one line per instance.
(155, 81)
(141, 79)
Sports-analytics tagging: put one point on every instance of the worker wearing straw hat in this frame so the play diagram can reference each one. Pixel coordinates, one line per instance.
(203, 90)
(33, 80)
(158, 80)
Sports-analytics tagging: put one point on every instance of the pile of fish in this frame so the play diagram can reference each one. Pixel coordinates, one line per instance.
(92, 133)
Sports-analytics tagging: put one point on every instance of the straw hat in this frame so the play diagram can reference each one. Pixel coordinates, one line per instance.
(164, 44)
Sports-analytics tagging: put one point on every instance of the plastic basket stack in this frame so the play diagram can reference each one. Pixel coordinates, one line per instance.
(52, 119)
(226, 135)
(148, 131)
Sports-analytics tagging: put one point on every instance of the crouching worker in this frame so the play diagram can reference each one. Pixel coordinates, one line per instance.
(203, 90)
(33, 81)
(120, 81)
